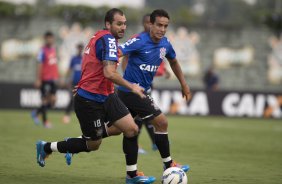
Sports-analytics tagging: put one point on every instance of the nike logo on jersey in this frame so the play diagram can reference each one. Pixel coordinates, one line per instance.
(87, 50)
(149, 68)
(147, 52)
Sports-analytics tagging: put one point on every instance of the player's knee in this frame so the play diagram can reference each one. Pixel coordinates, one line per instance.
(133, 131)
(161, 126)
(94, 145)
(53, 101)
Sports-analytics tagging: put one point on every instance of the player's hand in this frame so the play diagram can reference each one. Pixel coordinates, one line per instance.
(37, 84)
(74, 90)
(186, 93)
(138, 90)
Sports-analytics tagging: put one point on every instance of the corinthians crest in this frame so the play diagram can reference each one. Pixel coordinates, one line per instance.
(162, 53)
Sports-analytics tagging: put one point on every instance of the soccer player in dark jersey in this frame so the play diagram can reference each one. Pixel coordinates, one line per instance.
(46, 79)
(95, 101)
(74, 72)
(146, 52)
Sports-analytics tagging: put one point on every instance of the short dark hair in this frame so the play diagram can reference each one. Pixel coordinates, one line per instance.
(158, 13)
(144, 17)
(109, 17)
(48, 33)
(80, 45)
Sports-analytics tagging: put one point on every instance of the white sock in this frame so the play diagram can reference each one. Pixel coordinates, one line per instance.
(131, 167)
(167, 159)
(54, 146)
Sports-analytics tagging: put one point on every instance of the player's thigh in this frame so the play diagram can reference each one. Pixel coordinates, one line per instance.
(51, 98)
(118, 115)
(53, 91)
(44, 88)
(48, 92)
(91, 116)
(145, 108)
(126, 125)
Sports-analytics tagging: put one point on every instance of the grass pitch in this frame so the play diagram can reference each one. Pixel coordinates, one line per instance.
(218, 150)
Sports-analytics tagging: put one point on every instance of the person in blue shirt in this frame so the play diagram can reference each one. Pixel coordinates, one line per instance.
(74, 72)
(211, 80)
(145, 53)
(149, 127)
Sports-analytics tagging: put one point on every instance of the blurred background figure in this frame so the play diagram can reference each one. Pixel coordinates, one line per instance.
(274, 22)
(146, 22)
(46, 79)
(211, 80)
(73, 76)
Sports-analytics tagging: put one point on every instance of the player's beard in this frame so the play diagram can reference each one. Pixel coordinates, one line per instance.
(117, 34)
(120, 34)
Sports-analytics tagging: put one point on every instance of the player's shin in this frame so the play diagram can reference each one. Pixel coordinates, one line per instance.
(161, 140)
(71, 145)
(130, 149)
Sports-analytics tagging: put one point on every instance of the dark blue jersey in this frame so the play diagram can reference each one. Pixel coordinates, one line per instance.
(106, 48)
(75, 67)
(145, 57)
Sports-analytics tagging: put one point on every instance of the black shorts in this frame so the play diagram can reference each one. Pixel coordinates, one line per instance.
(93, 115)
(48, 88)
(144, 108)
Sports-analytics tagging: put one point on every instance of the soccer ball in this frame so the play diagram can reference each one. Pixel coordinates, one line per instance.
(174, 175)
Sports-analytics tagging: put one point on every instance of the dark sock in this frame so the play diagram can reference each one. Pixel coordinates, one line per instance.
(47, 148)
(72, 145)
(150, 130)
(168, 164)
(139, 123)
(49, 106)
(131, 174)
(163, 146)
(130, 149)
(44, 114)
(39, 110)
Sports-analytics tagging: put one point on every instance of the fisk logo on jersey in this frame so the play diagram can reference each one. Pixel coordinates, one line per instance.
(130, 41)
(149, 68)
(113, 47)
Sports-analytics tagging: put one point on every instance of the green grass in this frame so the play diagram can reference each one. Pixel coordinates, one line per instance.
(219, 151)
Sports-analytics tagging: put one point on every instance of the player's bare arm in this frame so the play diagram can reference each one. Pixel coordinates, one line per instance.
(37, 83)
(111, 73)
(186, 93)
(124, 61)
